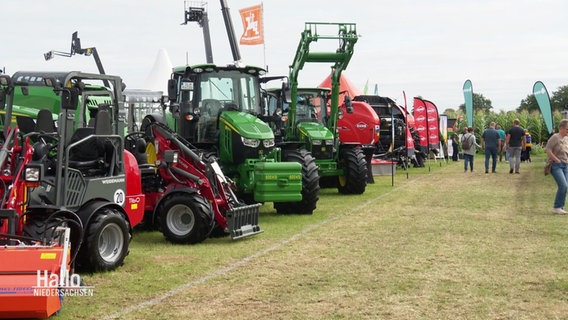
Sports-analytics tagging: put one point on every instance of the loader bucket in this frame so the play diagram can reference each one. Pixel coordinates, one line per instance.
(243, 221)
(22, 293)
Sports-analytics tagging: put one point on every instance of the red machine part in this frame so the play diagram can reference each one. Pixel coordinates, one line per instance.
(360, 127)
(201, 182)
(135, 199)
(23, 294)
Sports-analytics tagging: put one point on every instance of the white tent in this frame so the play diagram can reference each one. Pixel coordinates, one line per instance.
(161, 71)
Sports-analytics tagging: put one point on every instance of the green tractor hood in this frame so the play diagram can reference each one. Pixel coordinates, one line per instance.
(314, 131)
(246, 125)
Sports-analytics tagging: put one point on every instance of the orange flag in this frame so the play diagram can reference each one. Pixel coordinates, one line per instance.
(252, 24)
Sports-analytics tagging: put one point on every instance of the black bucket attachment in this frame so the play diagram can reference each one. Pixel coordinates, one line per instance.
(243, 221)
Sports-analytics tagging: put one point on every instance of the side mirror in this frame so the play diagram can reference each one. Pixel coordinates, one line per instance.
(287, 96)
(172, 89)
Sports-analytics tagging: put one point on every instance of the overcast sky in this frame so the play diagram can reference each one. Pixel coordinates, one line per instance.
(424, 48)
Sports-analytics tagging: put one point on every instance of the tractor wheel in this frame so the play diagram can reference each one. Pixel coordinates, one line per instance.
(186, 218)
(355, 179)
(310, 184)
(40, 229)
(106, 241)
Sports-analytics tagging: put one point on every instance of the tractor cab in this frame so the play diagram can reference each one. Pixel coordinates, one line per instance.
(203, 93)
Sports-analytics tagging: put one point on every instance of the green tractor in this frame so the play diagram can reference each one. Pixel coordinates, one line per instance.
(305, 123)
(31, 95)
(216, 109)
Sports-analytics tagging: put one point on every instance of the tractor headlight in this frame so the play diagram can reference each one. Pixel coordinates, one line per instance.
(253, 143)
(316, 142)
(329, 142)
(267, 143)
(171, 156)
(33, 174)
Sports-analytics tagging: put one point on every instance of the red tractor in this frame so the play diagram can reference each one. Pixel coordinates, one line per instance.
(59, 178)
(188, 198)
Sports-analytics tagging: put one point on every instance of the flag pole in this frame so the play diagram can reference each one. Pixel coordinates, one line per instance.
(263, 35)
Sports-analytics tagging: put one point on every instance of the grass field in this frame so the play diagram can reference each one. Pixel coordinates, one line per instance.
(439, 244)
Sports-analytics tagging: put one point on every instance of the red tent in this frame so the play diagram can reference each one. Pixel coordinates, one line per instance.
(344, 85)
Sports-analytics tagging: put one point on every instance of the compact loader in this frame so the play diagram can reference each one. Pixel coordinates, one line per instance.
(66, 202)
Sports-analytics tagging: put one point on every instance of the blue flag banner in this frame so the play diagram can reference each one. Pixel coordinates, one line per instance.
(468, 95)
(543, 100)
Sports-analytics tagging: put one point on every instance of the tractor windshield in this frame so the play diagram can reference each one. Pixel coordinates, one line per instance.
(233, 89)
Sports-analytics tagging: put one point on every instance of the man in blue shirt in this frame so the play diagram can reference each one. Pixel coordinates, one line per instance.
(491, 141)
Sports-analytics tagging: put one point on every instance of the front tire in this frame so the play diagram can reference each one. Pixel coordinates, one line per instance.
(310, 184)
(355, 179)
(106, 241)
(186, 218)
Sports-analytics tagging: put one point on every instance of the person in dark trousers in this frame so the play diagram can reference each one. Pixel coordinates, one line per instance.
(469, 153)
(455, 148)
(515, 141)
(490, 142)
(557, 151)
(502, 136)
(526, 155)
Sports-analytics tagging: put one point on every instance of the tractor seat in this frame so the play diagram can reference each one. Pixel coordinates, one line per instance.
(87, 154)
(90, 156)
(45, 122)
(25, 124)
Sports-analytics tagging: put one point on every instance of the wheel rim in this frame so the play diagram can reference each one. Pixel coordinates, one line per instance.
(180, 220)
(111, 242)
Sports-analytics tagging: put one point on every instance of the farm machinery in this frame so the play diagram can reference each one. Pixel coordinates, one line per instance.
(216, 109)
(336, 135)
(188, 197)
(66, 201)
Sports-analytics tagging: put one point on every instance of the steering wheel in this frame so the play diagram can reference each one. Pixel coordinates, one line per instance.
(50, 139)
(130, 140)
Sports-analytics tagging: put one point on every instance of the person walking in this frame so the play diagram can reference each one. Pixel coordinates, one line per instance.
(469, 147)
(491, 142)
(557, 151)
(502, 145)
(515, 141)
(528, 147)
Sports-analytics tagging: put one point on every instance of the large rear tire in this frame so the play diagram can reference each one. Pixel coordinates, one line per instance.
(105, 245)
(310, 184)
(355, 179)
(186, 218)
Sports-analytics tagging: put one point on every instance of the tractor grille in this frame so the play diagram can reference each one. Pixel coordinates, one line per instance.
(322, 152)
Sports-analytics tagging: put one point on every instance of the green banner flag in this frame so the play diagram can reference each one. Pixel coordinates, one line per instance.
(468, 95)
(543, 100)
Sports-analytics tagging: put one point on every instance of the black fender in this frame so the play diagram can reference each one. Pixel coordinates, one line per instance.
(87, 211)
(151, 118)
(186, 190)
